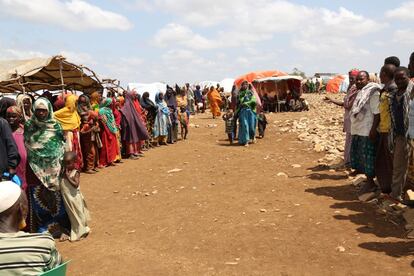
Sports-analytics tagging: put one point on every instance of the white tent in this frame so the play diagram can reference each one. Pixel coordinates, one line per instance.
(151, 88)
(208, 84)
(227, 84)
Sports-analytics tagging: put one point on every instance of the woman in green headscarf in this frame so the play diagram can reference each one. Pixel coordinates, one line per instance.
(43, 137)
(109, 152)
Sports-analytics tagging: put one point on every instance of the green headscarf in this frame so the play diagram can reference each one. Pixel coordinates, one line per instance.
(106, 111)
(44, 142)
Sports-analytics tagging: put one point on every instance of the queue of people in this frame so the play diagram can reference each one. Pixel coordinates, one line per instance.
(46, 142)
(379, 127)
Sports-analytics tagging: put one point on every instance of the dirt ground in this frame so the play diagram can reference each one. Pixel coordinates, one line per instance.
(229, 213)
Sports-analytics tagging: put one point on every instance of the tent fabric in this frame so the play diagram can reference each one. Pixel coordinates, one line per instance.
(208, 84)
(250, 77)
(334, 84)
(44, 73)
(151, 88)
(227, 84)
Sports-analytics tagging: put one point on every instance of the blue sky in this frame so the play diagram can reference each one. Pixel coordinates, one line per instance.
(190, 40)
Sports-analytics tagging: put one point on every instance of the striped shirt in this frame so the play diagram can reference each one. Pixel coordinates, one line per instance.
(27, 254)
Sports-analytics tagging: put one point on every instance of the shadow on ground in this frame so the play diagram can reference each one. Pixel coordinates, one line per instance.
(364, 214)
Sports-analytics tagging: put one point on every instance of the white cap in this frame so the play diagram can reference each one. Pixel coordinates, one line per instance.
(9, 194)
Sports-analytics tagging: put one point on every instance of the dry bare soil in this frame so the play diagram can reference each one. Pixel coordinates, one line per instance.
(229, 213)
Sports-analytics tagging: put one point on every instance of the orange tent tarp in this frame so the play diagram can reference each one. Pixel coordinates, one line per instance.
(250, 77)
(334, 84)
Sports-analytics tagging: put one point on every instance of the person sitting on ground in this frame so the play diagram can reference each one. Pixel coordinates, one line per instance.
(73, 199)
(22, 253)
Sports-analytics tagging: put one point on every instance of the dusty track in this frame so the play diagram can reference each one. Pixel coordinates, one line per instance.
(228, 213)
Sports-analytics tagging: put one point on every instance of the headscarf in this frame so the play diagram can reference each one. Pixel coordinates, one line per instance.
(4, 104)
(45, 145)
(146, 101)
(121, 100)
(106, 112)
(134, 129)
(95, 101)
(20, 103)
(354, 72)
(14, 109)
(81, 111)
(162, 106)
(117, 114)
(59, 104)
(68, 116)
(170, 99)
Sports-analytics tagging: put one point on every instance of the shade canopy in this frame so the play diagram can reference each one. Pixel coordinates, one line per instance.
(252, 76)
(46, 74)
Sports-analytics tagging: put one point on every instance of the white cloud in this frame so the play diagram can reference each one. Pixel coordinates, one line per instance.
(78, 58)
(176, 34)
(403, 12)
(75, 15)
(12, 54)
(405, 36)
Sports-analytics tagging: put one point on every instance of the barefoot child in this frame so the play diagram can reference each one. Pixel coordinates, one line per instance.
(261, 123)
(229, 123)
(73, 199)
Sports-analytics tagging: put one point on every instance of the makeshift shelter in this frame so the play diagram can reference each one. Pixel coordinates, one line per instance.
(252, 76)
(53, 73)
(333, 86)
(278, 86)
(151, 88)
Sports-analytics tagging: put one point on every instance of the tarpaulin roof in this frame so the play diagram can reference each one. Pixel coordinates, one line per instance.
(250, 77)
(46, 73)
(334, 84)
(281, 78)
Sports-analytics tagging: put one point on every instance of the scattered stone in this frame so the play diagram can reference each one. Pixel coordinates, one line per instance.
(174, 170)
(116, 192)
(263, 210)
(282, 174)
(340, 249)
(231, 263)
(296, 166)
(131, 232)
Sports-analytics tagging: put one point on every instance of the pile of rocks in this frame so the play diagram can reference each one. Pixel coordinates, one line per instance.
(322, 127)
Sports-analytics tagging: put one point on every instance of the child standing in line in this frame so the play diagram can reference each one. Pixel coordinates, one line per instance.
(230, 122)
(261, 123)
(73, 199)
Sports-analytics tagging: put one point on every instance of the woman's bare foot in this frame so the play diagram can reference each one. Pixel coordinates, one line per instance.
(64, 238)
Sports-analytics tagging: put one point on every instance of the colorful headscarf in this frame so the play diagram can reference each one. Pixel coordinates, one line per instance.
(116, 112)
(95, 101)
(105, 111)
(45, 145)
(20, 103)
(68, 116)
(15, 110)
(162, 105)
(354, 72)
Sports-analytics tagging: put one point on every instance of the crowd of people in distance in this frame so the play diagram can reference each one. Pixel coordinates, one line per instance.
(379, 127)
